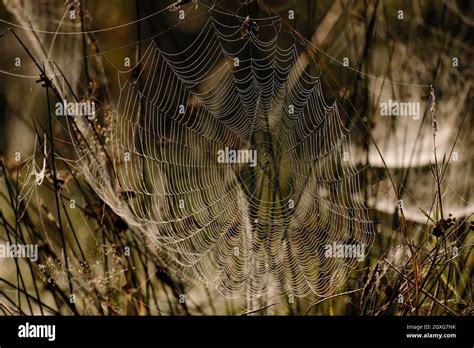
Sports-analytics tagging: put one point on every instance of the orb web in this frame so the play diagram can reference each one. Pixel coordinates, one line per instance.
(248, 228)
(242, 228)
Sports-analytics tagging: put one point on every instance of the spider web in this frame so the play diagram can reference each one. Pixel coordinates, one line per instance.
(240, 229)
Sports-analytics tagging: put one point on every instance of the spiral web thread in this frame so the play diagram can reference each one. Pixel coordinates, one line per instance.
(240, 229)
